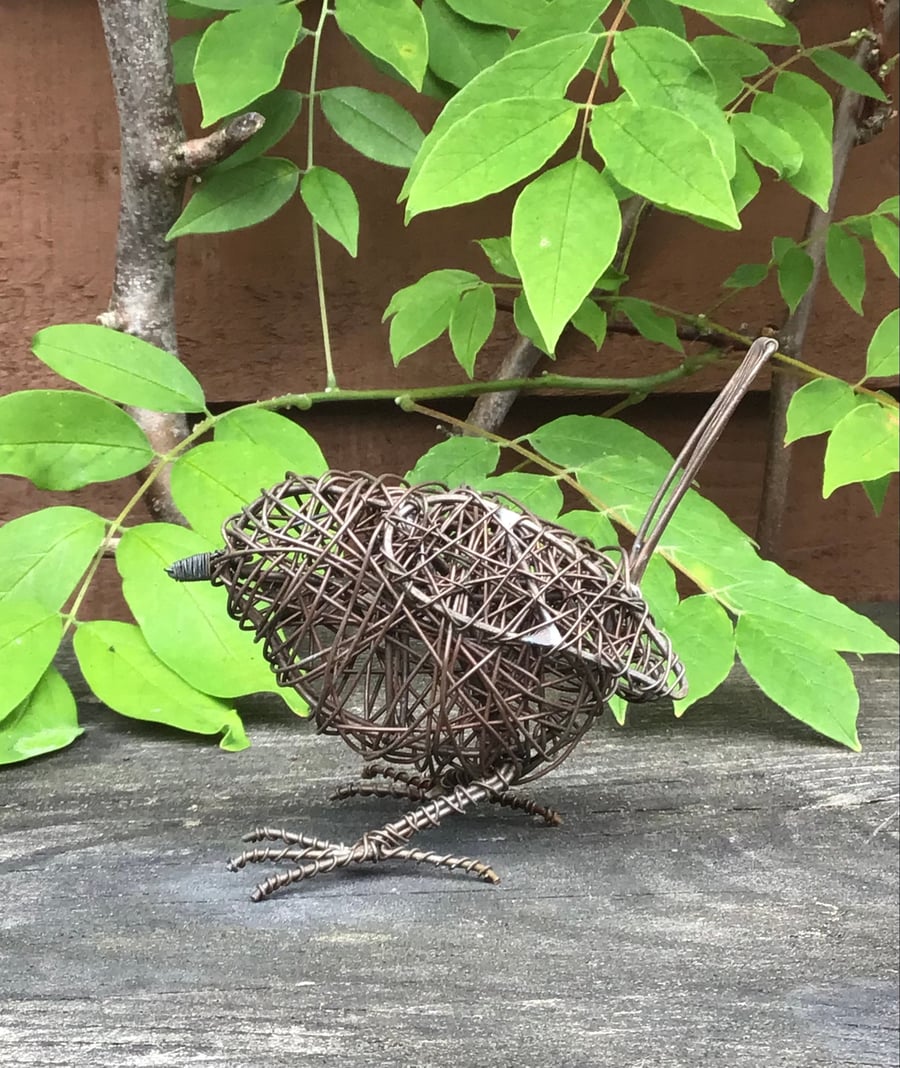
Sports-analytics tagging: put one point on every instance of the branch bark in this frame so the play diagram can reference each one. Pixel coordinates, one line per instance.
(776, 477)
(155, 162)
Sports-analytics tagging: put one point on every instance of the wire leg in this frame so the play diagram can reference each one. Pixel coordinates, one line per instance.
(316, 856)
(411, 786)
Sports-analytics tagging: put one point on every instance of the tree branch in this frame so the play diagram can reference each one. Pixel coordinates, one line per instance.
(776, 477)
(151, 194)
(201, 152)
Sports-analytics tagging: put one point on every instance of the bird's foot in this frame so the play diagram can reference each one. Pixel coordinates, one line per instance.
(315, 856)
(318, 857)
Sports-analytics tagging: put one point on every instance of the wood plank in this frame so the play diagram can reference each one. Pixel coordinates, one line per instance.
(723, 891)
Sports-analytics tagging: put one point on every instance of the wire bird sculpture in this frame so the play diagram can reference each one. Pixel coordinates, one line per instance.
(457, 642)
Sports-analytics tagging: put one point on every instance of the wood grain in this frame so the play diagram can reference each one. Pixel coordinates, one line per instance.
(723, 891)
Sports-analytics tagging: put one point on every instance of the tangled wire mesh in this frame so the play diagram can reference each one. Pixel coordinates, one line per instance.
(450, 630)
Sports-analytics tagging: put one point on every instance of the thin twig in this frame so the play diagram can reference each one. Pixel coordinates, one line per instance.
(776, 478)
(196, 155)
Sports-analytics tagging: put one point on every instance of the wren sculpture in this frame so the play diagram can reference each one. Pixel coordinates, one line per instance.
(458, 643)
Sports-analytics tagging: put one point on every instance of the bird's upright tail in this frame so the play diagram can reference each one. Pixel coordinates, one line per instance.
(696, 449)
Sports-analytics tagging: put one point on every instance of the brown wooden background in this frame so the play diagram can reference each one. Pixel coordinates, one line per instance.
(248, 320)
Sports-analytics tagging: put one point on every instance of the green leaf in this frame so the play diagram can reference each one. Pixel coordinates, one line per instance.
(186, 624)
(795, 273)
(29, 637)
(422, 311)
(537, 493)
(431, 288)
(877, 491)
(623, 468)
(214, 481)
(651, 62)
(119, 366)
(618, 707)
(745, 184)
(184, 51)
(863, 447)
(664, 157)
(816, 174)
(810, 96)
(61, 439)
(281, 109)
(729, 60)
(517, 14)
(890, 206)
(242, 56)
(560, 18)
(659, 13)
(883, 354)
(767, 143)
(460, 49)
(45, 553)
(594, 526)
(372, 123)
(884, 234)
(846, 266)
(123, 671)
(45, 721)
(330, 199)
(541, 72)
(746, 276)
(456, 462)
(757, 10)
(591, 321)
(499, 251)
(769, 590)
(760, 32)
(490, 149)
(565, 230)
(658, 69)
(392, 30)
(297, 447)
(471, 323)
(232, 200)
(818, 407)
(659, 590)
(846, 72)
(702, 636)
(527, 326)
(649, 323)
(804, 676)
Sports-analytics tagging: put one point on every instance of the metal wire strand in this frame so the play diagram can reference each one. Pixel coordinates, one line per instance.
(694, 453)
(400, 789)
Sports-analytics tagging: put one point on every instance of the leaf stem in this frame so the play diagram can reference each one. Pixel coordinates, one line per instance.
(304, 401)
(777, 68)
(330, 380)
(607, 48)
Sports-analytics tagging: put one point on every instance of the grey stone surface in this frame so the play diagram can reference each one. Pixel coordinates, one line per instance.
(723, 892)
